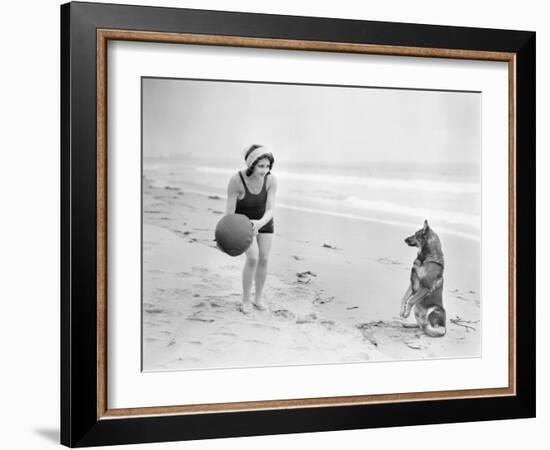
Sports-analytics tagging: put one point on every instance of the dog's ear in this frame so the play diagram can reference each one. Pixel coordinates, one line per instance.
(426, 226)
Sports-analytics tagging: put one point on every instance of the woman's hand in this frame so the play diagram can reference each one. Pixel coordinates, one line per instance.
(255, 226)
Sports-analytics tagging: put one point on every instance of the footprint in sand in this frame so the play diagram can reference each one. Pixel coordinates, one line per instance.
(309, 318)
(283, 314)
(200, 319)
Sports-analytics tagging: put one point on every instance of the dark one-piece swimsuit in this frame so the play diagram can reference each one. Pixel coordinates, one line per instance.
(253, 205)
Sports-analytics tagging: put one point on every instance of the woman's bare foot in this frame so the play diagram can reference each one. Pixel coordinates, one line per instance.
(246, 307)
(260, 304)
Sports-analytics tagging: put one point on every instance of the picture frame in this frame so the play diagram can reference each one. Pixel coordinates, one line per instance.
(86, 418)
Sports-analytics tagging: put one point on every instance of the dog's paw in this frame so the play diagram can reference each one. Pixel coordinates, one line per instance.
(405, 313)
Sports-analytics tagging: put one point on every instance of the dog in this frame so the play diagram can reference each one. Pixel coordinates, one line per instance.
(425, 292)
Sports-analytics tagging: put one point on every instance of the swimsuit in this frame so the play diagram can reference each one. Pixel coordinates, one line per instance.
(253, 205)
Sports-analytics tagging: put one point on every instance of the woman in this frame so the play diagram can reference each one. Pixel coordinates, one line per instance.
(252, 192)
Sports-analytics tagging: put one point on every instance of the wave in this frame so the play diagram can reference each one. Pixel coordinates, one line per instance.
(417, 184)
(391, 209)
(443, 230)
(450, 217)
(364, 218)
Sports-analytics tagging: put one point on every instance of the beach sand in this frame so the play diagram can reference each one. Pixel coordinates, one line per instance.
(334, 288)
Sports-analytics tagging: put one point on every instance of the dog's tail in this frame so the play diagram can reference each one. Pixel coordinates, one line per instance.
(436, 322)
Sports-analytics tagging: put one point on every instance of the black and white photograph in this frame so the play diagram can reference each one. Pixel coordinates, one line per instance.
(296, 224)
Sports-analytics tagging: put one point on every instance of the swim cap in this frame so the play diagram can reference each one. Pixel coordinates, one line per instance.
(251, 156)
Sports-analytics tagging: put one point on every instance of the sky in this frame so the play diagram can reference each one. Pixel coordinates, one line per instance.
(218, 119)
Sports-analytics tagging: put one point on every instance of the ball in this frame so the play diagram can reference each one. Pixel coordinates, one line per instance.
(234, 234)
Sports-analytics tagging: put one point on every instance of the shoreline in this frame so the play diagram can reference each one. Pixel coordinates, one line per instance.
(363, 218)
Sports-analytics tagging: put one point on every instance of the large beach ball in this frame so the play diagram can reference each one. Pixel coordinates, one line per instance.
(234, 234)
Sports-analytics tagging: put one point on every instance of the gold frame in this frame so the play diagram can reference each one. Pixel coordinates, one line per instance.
(103, 35)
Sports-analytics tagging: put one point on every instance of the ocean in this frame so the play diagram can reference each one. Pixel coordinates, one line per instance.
(447, 195)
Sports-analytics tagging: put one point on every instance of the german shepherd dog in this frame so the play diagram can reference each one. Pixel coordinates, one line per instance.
(425, 292)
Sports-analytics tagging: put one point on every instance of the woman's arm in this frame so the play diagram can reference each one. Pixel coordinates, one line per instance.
(270, 203)
(231, 196)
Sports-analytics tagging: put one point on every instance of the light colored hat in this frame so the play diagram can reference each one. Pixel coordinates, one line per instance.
(254, 154)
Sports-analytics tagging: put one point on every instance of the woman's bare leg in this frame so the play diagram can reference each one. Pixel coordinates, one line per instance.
(249, 271)
(264, 247)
